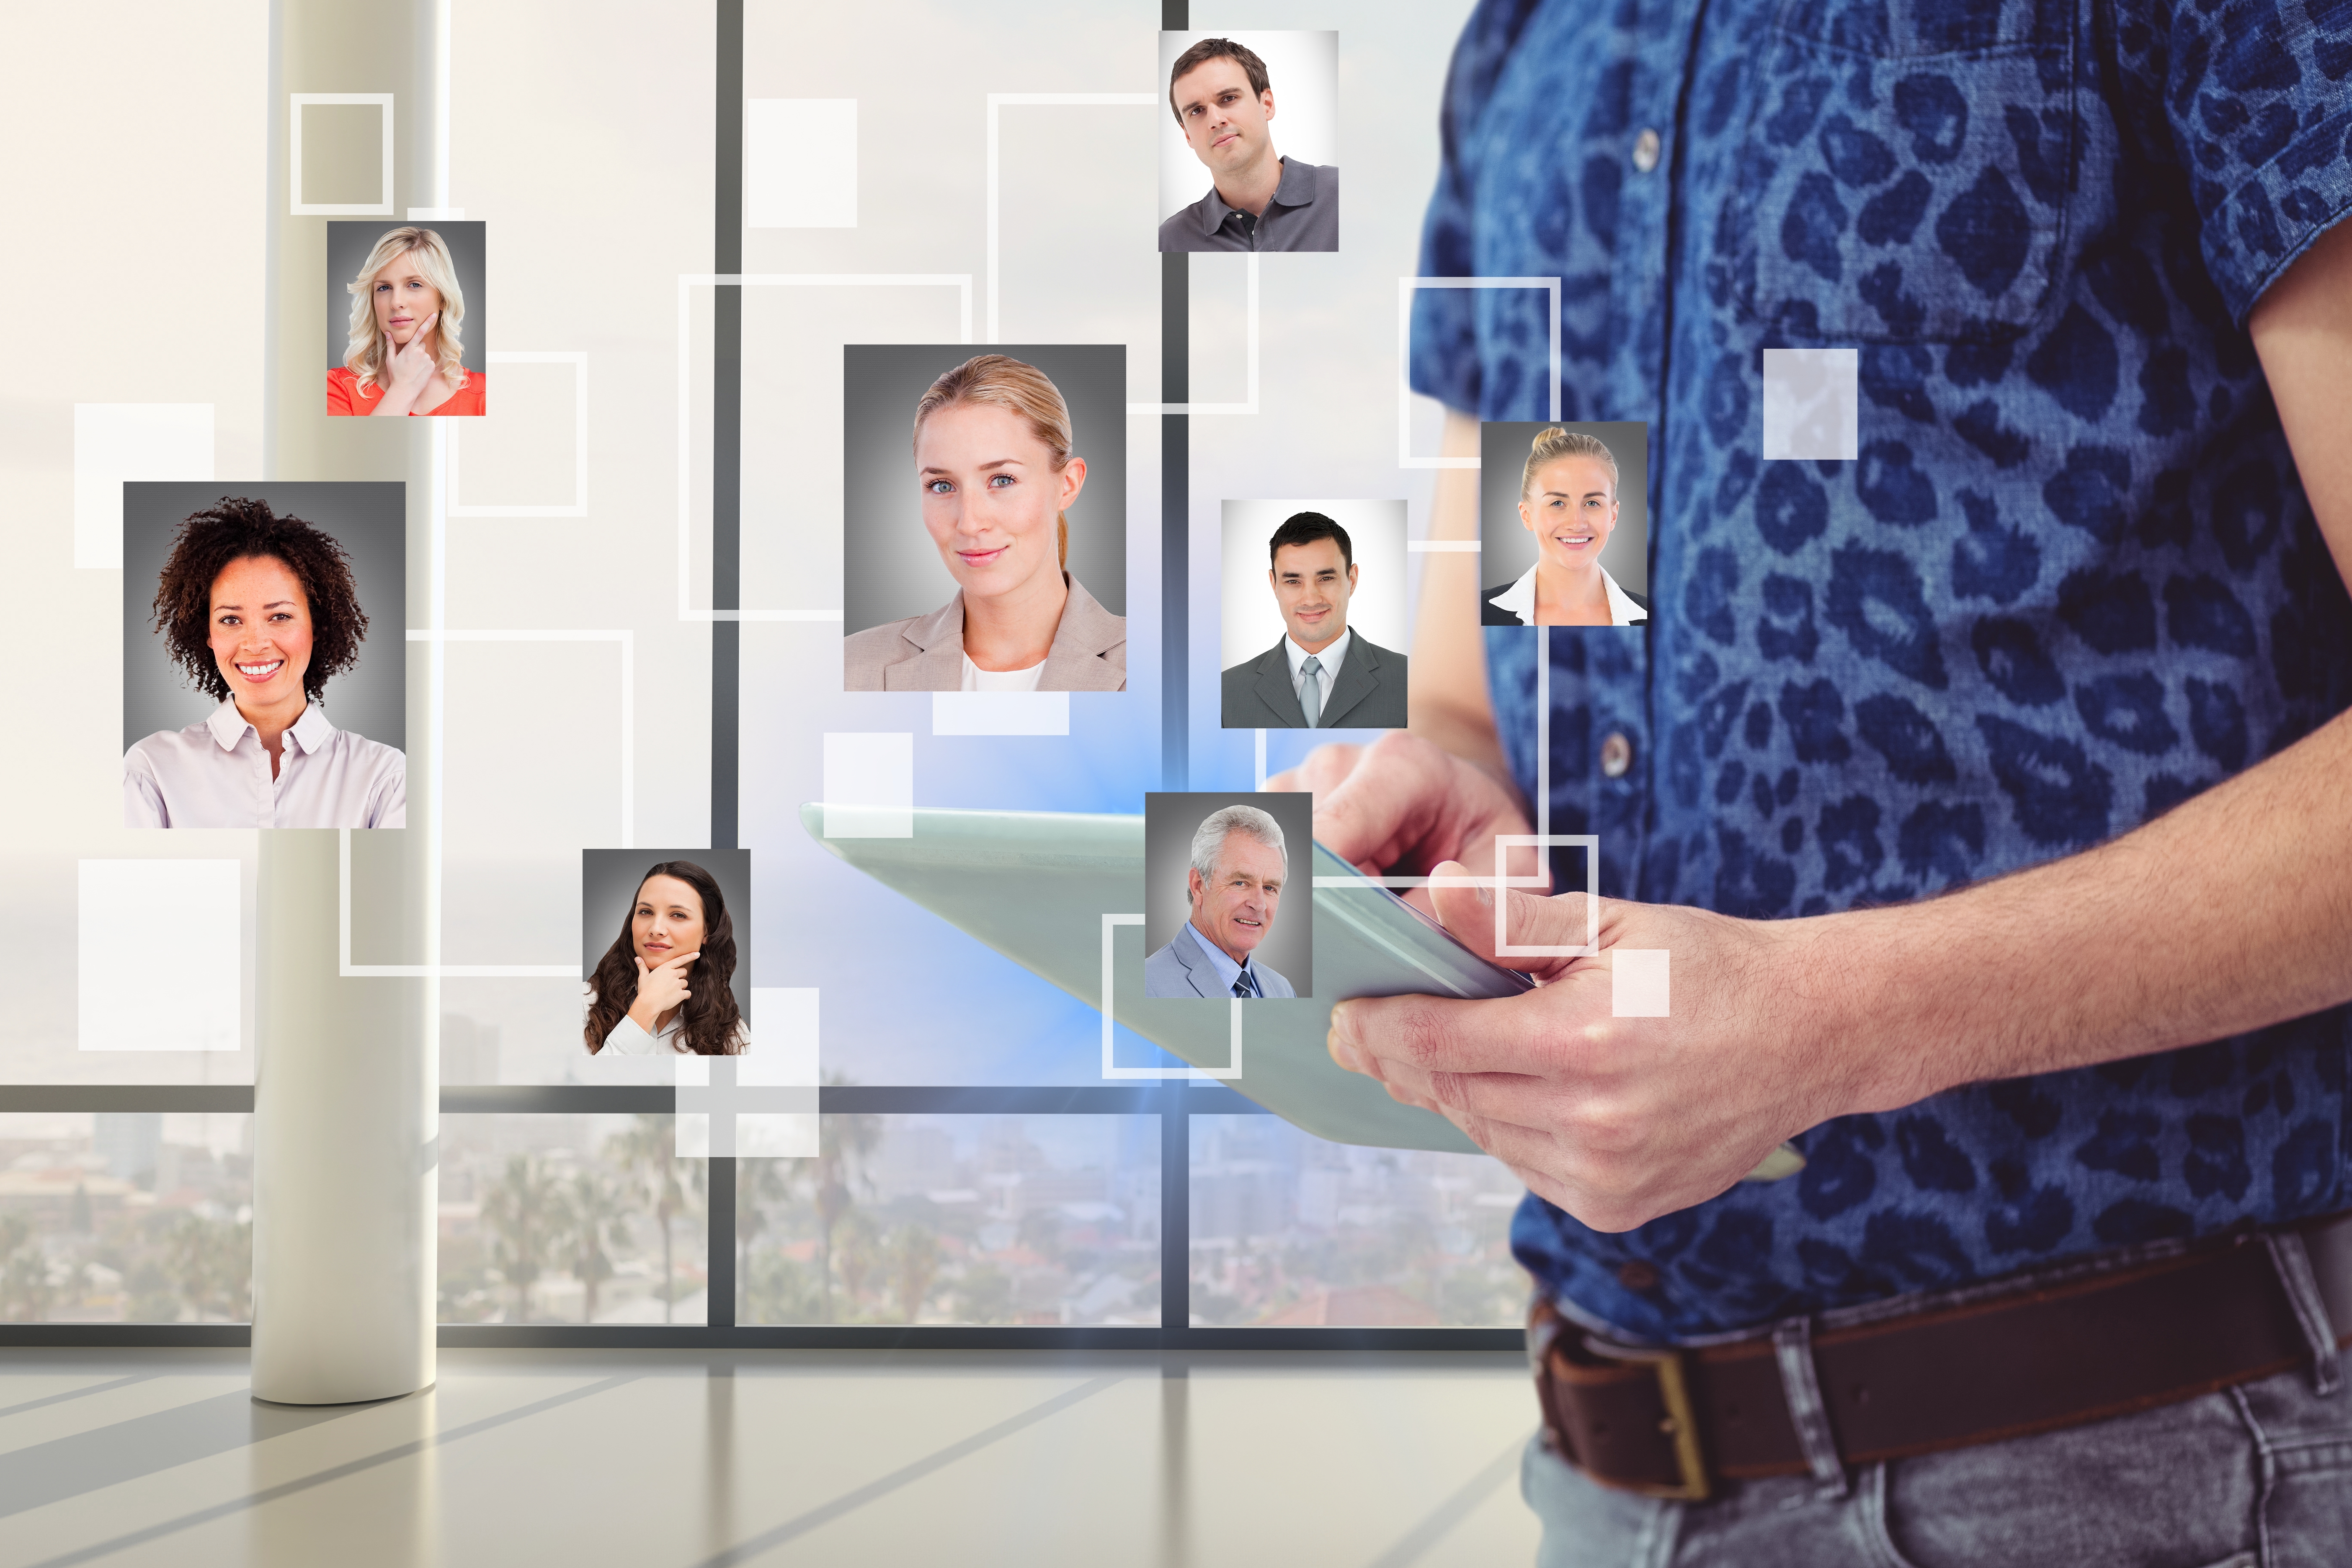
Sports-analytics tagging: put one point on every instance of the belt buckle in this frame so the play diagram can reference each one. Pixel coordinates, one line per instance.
(1667, 1364)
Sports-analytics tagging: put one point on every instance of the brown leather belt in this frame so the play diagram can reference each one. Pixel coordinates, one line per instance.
(2101, 1341)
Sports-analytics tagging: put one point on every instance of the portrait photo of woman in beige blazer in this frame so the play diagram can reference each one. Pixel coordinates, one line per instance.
(995, 474)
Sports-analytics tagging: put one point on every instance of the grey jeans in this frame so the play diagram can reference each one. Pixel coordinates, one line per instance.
(2258, 1475)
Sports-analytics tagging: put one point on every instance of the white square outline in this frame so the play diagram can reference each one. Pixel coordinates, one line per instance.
(578, 359)
(1228, 1074)
(686, 282)
(1590, 844)
(349, 971)
(1405, 286)
(300, 208)
(998, 100)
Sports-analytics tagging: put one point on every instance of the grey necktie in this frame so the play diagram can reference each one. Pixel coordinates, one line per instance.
(1310, 690)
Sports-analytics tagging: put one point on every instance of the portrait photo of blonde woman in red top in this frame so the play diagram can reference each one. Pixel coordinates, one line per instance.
(404, 348)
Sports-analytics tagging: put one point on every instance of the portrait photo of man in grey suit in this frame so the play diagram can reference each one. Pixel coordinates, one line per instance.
(1239, 865)
(1321, 674)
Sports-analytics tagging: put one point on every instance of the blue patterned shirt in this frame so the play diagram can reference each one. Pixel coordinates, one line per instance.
(2071, 580)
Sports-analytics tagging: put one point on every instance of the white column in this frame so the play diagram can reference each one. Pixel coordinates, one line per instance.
(346, 1075)
(346, 1169)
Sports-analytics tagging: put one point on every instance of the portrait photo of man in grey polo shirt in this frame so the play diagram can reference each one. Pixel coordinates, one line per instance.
(1224, 101)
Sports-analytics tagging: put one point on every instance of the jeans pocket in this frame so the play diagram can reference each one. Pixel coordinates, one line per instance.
(2177, 1487)
(1908, 169)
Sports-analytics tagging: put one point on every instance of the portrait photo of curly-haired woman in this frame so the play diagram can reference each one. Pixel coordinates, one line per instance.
(240, 611)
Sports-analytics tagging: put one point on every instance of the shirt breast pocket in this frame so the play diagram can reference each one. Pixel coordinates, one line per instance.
(1907, 169)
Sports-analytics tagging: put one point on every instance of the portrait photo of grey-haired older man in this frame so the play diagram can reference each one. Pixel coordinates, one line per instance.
(1236, 933)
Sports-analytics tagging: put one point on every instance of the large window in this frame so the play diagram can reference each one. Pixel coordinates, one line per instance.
(1034, 1220)
(572, 1220)
(980, 1180)
(138, 1217)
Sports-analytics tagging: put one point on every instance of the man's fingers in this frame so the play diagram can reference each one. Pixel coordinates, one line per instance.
(1322, 770)
(1373, 1034)
(1467, 909)
(1388, 803)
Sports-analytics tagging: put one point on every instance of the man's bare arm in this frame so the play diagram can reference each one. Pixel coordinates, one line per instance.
(1448, 673)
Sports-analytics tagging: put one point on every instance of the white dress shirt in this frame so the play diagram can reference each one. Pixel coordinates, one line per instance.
(1519, 599)
(217, 775)
(628, 1037)
(1332, 653)
(978, 679)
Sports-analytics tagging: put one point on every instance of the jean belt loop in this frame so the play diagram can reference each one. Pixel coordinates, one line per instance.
(2294, 1272)
(1792, 1344)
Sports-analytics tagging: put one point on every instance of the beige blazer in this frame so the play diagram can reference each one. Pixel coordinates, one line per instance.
(925, 653)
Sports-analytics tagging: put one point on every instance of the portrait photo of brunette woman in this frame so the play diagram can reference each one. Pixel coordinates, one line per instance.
(1006, 491)
(259, 601)
(400, 329)
(665, 958)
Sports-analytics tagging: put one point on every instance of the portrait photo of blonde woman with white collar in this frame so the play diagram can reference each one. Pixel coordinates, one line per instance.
(995, 483)
(1563, 524)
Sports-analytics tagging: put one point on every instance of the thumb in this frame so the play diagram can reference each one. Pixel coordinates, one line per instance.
(1467, 910)
(642, 971)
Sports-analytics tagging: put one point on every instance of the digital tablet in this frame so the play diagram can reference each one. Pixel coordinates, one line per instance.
(1059, 893)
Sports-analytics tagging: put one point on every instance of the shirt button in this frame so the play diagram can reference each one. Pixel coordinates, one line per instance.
(1637, 1274)
(1645, 151)
(1616, 754)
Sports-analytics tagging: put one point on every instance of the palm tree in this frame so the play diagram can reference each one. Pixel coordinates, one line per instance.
(758, 1182)
(915, 1256)
(648, 1151)
(25, 1289)
(861, 1256)
(845, 1142)
(593, 1214)
(211, 1261)
(520, 1213)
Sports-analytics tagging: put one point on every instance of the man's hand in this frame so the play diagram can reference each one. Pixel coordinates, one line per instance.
(1401, 804)
(1617, 1120)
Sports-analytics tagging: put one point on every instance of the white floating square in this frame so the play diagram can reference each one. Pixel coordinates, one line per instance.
(999, 713)
(1637, 982)
(160, 962)
(869, 784)
(118, 441)
(784, 1037)
(800, 162)
(1812, 409)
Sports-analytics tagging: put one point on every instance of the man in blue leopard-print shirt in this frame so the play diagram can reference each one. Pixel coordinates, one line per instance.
(1992, 792)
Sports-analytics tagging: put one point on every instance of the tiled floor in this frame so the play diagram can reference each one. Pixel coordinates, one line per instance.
(696, 1460)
